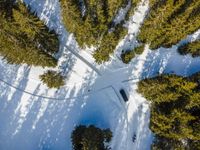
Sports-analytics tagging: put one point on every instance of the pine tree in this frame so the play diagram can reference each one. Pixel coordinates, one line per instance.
(6, 7)
(90, 138)
(26, 39)
(169, 22)
(95, 26)
(128, 55)
(175, 109)
(52, 79)
(192, 48)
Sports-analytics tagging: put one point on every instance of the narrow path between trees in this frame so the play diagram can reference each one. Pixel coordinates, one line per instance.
(84, 60)
(52, 98)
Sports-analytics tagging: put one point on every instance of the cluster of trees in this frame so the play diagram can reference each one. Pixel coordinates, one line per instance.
(175, 109)
(24, 38)
(90, 138)
(192, 48)
(128, 55)
(91, 21)
(52, 79)
(170, 21)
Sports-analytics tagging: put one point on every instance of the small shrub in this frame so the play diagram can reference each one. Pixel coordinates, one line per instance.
(90, 138)
(127, 56)
(52, 79)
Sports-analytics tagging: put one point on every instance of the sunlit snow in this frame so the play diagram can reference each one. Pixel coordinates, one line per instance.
(34, 117)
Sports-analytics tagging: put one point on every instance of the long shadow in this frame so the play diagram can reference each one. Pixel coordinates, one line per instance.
(153, 63)
(12, 74)
(49, 12)
(47, 124)
(10, 100)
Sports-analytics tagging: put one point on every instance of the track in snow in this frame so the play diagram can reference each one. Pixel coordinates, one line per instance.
(51, 98)
(84, 60)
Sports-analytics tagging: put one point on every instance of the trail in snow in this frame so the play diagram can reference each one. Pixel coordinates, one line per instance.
(148, 64)
(14, 89)
(38, 123)
(32, 121)
(84, 60)
(122, 13)
(129, 41)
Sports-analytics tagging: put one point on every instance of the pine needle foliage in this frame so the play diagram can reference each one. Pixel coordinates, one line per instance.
(52, 79)
(192, 48)
(6, 8)
(175, 108)
(90, 138)
(128, 55)
(91, 21)
(170, 21)
(24, 38)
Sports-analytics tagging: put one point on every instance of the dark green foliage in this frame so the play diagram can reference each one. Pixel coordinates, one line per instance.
(139, 50)
(6, 8)
(24, 38)
(167, 88)
(175, 108)
(128, 55)
(95, 25)
(90, 138)
(52, 79)
(161, 143)
(108, 44)
(169, 22)
(132, 9)
(191, 48)
(194, 144)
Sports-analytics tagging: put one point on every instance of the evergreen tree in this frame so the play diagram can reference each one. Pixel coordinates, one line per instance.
(26, 39)
(93, 24)
(6, 8)
(175, 108)
(52, 79)
(128, 55)
(169, 22)
(161, 143)
(90, 138)
(192, 48)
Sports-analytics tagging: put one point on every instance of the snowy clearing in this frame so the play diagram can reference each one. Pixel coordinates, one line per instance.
(35, 117)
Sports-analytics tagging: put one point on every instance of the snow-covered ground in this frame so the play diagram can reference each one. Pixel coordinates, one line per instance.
(34, 117)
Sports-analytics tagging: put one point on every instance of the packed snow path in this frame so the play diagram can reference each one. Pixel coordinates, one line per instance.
(84, 60)
(35, 117)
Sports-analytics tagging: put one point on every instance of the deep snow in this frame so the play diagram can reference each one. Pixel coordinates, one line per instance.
(35, 117)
